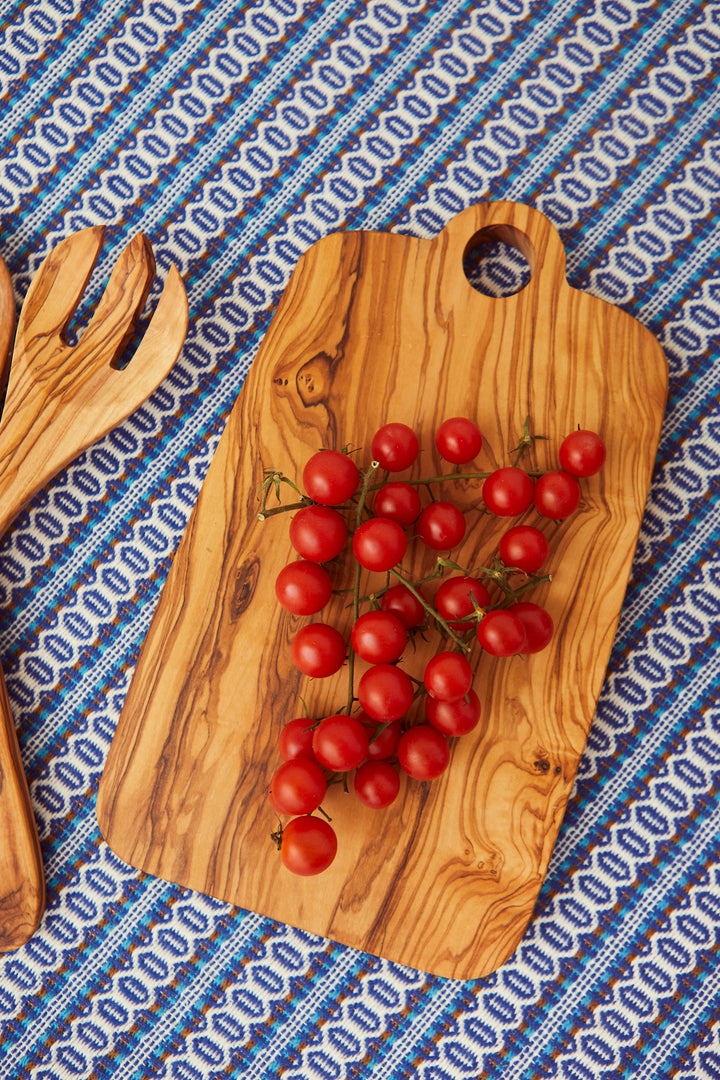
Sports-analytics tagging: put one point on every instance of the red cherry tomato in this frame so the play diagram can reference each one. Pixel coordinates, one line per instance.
(378, 637)
(501, 633)
(537, 622)
(377, 784)
(448, 676)
(318, 650)
(298, 786)
(458, 440)
(340, 742)
(507, 492)
(303, 587)
(454, 718)
(454, 601)
(423, 752)
(398, 501)
(395, 447)
(271, 800)
(557, 495)
(441, 526)
(582, 453)
(385, 692)
(308, 845)
(330, 477)
(384, 738)
(379, 544)
(318, 533)
(295, 739)
(401, 602)
(524, 547)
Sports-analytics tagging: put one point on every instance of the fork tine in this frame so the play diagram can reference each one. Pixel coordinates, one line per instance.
(111, 327)
(158, 349)
(57, 287)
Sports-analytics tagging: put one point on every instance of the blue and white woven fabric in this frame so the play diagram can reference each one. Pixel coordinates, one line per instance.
(234, 135)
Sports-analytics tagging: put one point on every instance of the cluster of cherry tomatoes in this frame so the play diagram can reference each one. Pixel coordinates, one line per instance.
(372, 738)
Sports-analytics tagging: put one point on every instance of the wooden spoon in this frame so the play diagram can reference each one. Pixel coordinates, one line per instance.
(60, 399)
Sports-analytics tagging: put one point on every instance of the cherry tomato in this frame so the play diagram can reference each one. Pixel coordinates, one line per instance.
(377, 784)
(308, 845)
(384, 738)
(454, 601)
(296, 739)
(271, 800)
(303, 587)
(448, 676)
(423, 752)
(340, 742)
(458, 440)
(582, 453)
(537, 622)
(378, 637)
(398, 501)
(401, 602)
(557, 495)
(524, 547)
(501, 633)
(330, 477)
(298, 786)
(318, 650)
(318, 533)
(385, 692)
(395, 447)
(507, 492)
(379, 544)
(454, 718)
(441, 526)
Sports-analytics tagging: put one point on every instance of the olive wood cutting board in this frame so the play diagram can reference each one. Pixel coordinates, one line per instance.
(372, 328)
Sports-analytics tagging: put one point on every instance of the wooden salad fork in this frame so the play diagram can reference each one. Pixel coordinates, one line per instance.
(60, 399)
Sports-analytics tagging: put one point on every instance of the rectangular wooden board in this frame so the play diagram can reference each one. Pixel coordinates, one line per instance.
(375, 327)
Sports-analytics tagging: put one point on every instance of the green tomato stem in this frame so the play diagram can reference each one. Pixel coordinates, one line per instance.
(265, 513)
(431, 610)
(440, 479)
(359, 509)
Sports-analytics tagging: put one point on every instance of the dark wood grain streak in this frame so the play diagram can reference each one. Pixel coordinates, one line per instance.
(59, 400)
(7, 328)
(374, 327)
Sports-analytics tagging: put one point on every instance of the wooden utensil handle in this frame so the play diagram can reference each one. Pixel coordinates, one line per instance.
(22, 883)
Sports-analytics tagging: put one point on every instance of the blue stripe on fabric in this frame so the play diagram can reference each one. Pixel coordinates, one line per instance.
(353, 11)
(539, 1020)
(129, 938)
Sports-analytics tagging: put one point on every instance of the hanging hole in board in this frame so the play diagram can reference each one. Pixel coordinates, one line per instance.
(498, 261)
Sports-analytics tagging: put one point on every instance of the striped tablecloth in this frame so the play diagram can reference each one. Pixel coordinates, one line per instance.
(235, 135)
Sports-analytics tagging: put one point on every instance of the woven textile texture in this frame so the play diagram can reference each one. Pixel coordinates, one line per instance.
(235, 135)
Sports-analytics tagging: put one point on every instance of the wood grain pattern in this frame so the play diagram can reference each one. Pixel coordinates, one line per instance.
(375, 327)
(59, 400)
(62, 398)
(7, 327)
